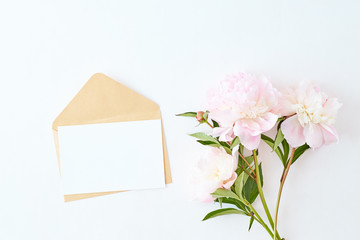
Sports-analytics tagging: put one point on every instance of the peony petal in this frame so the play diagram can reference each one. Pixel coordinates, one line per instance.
(287, 102)
(218, 131)
(330, 108)
(267, 121)
(225, 118)
(235, 155)
(225, 134)
(329, 134)
(230, 181)
(251, 125)
(249, 141)
(293, 131)
(213, 170)
(313, 135)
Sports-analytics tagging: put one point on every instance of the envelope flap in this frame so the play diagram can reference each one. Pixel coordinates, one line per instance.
(103, 98)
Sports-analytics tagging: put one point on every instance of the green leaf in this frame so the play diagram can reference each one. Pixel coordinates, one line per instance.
(251, 222)
(205, 115)
(279, 153)
(249, 159)
(261, 175)
(278, 139)
(226, 147)
(271, 143)
(227, 150)
(187, 114)
(286, 149)
(215, 124)
(235, 142)
(250, 188)
(299, 151)
(220, 192)
(224, 144)
(284, 143)
(204, 137)
(232, 201)
(241, 149)
(267, 139)
(239, 184)
(208, 140)
(223, 211)
(280, 120)
(220, 201)
(239, 170)
(209, 143)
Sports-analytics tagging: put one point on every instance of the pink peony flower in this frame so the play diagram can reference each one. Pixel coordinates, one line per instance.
(244, 105)
(313, 116)
(216, 169)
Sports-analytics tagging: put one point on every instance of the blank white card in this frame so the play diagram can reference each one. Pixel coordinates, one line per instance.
(111, 156)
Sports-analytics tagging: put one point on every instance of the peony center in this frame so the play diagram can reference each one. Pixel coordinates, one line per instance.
(255, 111)
(307, 115)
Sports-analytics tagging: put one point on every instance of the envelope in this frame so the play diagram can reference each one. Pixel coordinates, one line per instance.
(104, 100)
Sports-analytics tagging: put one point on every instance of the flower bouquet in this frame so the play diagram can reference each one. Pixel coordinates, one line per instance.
(240, 112)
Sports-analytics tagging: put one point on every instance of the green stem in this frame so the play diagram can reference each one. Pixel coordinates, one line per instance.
(282, 182)
(259, 220)
(277, 206)
(247, 163)
(209, 124)
(258, 182)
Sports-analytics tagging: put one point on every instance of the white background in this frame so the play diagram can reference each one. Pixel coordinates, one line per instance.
(172, 51)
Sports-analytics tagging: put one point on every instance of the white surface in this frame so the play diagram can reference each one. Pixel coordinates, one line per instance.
(109, 157)
(172, 51)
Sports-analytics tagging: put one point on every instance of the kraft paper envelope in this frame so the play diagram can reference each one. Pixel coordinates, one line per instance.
(104, 100)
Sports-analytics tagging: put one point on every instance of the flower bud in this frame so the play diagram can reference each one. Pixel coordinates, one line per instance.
(200, 116)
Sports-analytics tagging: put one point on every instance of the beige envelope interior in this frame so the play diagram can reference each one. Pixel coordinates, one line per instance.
(104, 100)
